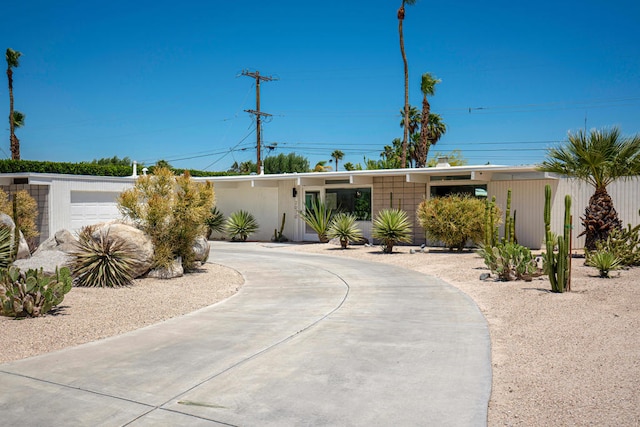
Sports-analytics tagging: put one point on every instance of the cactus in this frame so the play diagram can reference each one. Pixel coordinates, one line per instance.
(490, 227)
(507, 219)
(277, 235)
(32, 293)
(557, 265)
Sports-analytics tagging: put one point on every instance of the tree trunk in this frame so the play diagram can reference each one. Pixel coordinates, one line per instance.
(600, 218)
(13, 141)
(403, 159)
(424, 133)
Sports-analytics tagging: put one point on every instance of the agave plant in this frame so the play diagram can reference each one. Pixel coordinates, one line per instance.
(343, 226)
(604, 261)
(101, 261)
(391, 226)
(318, 217)
(214, 222)
(240, 225)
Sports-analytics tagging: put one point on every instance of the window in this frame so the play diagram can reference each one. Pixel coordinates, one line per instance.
(479, 191)
(356, 201)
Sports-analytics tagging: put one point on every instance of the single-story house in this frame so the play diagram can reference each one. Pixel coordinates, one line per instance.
(72, 201)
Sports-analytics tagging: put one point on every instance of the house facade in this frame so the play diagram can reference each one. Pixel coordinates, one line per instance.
(70, 201)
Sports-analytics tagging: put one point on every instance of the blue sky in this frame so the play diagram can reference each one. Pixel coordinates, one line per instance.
(162, 80)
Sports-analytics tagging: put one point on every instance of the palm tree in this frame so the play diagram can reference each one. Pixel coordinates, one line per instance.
(18, 122)
(599, 158)
(403, 160)
(12, 62)
(321, 166)
(428, 88)
(435, 129)
(337, 155)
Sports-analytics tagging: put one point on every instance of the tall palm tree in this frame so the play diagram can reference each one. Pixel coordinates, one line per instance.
(428, 88)
(599, 158)
(12, 62)
(435, 129)
(337, 155)
(401, 11)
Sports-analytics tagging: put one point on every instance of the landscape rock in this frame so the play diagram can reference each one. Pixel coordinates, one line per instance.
(63, 240)
(173, 270)
(47, 260)
(23, 246)
(201, 249)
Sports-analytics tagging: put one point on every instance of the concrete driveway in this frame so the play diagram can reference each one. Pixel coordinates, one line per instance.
(309, 340)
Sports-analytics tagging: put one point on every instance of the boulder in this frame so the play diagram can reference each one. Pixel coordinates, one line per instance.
(173, 270)
(23, 246)
(201, 249)
(47, 260)
(62, 241)
(141, 243)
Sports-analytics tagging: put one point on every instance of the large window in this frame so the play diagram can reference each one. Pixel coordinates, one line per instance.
(356, 201)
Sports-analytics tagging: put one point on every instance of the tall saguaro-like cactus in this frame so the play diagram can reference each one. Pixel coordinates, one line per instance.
(557, 264)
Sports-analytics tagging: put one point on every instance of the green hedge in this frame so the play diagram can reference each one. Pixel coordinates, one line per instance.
(15, 166)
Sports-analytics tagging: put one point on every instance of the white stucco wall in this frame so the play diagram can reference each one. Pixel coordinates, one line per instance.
(262, 202)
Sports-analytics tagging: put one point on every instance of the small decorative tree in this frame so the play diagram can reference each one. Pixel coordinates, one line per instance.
(172, 210)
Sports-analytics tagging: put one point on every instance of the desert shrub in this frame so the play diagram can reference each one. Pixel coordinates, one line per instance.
(624, 244)
(318, 217)
(101, 261)
(453, 220)
(604, 261)
(171, 210)
(25, 215)
(240, 225)
(391, 226)
(343, 226)
(33, 293)
(509, 261)
(214, 222)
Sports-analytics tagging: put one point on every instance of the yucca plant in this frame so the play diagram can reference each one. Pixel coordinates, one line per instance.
(604, 261)
(214, 222)
(391, 226)
(240, 225)
(6, 246)
(318, 217)
(101, 261)
(343, 226)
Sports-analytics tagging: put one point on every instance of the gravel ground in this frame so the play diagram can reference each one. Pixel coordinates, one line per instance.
(568, 359)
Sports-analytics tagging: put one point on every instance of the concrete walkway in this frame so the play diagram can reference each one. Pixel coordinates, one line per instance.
(309, 340)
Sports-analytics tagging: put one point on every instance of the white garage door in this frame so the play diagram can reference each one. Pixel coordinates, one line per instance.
(92, 207)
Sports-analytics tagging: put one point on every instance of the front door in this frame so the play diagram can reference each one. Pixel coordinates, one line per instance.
(310, 197)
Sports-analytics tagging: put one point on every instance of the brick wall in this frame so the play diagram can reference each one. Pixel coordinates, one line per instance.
(394, 191)
(41, 194)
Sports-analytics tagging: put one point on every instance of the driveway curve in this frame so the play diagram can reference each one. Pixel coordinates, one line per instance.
(308, 340)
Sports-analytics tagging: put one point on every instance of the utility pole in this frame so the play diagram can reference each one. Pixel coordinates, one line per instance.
(259, 114)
